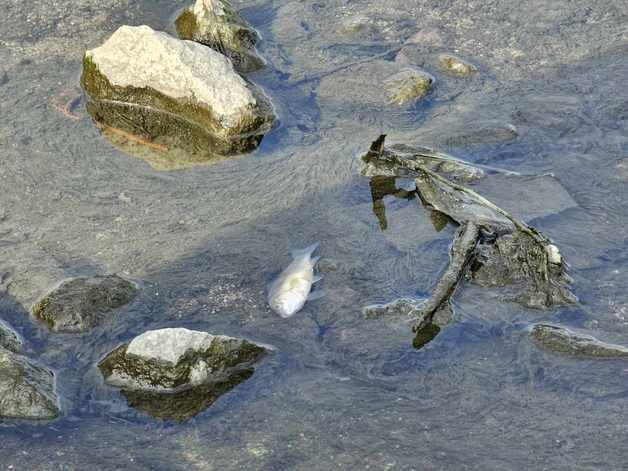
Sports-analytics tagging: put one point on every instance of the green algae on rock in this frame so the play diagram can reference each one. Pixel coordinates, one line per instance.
(408, 86)
(175, 94)
(175, 373)
(183, 405)
(173, 359)
(562, 340)
(79, 304)
(27, 390)
(216, 24)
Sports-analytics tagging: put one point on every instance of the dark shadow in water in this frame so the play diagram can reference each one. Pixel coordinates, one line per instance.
(383, 186)
(183, 405)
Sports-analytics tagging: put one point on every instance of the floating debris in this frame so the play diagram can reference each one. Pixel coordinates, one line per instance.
(79, 304)
(206, 108)
(27, 390)
(494, 246)
(175, 372)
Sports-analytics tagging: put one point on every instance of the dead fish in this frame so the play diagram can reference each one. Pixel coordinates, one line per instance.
(289, 292)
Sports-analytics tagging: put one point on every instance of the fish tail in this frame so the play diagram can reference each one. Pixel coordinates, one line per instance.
(306, 252)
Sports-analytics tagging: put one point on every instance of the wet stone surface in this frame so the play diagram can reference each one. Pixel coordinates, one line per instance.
(9, 339)
(27, 390)
(563, 340)
(216, 24)
(80, 304)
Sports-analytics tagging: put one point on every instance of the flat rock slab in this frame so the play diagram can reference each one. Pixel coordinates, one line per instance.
(27, 390)
(175, 359)
(562, 340)
(216, 24)
(174, 93)
(9, 339)
(80, 304)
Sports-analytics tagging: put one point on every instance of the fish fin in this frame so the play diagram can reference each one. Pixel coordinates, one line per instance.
(307, 251)
(317, 278)
(314, 260)
(319, 293)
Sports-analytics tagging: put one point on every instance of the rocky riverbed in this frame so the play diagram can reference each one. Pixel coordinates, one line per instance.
(531, 88)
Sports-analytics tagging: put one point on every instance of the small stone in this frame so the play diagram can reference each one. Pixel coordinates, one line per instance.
(168, 360)
(456, 66)
(9, 339)
(562, 340)
(26, 389)
(622, 170)
(216, 24)
(172, 94)
(408, 86)
(80, 304)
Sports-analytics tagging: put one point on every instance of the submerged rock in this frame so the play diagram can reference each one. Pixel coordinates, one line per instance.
(456, 66)
(408, 86)
(9, 339)
(173, 93)
(27, 390)
(216, 24)
(81, 303)
(562, 340)
(173, 359)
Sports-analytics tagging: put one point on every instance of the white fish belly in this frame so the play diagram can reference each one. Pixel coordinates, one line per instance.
(289, 293)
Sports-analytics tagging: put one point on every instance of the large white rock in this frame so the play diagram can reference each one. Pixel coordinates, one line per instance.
(174, 94)
(138, 56)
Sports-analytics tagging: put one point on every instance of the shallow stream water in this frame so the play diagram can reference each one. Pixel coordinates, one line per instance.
(341, 391)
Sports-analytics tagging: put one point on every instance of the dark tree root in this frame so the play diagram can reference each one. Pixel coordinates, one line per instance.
(462, 250)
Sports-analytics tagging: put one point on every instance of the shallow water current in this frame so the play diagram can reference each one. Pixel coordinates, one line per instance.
(341, 391)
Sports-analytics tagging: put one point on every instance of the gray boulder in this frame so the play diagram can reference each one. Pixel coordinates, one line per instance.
(174, 94)
(81, 303)
(176, 373)
(562, 340)
(27, 390)
(216, 24)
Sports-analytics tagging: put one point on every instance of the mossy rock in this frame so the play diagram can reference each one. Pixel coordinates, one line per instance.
(408, 86)
(216, 24)
(79, 304)
(205, 109)
(172, 360)
(26, 389)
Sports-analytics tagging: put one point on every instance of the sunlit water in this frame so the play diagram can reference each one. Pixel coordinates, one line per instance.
(341, 391)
